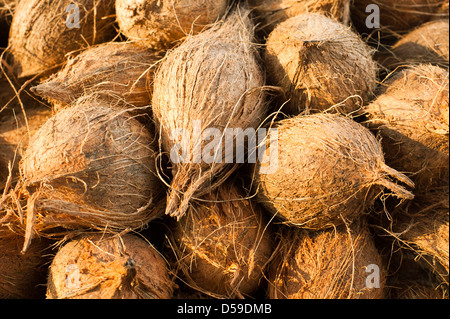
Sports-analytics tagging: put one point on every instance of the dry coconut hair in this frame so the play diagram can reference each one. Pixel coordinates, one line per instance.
(91, 165)
(213, 77)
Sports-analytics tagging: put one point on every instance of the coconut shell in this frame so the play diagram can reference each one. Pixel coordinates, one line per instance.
(329, 169)
(160, 24)
(400, 15)
(113, 71)
(410, 114)
(90, 166)
(213, 77)
(22, 276)
(40, 38)
(270, 13)
(320, 65)
(109, 267)
(329, 264)
(223, 244)
(427, 44)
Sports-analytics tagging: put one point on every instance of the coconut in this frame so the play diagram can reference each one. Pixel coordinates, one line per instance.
(89, 166)
(320, 64)
(15, 133)
(211, 81)
(270, 13)
(400, 15)
(410, 114)
(109, 267)
(160, 24)
(115, 71)
(22, 276)
(429, 43)
(423, 227)
(339, 263)
(43, 32)
(223, 244)
(329, 169)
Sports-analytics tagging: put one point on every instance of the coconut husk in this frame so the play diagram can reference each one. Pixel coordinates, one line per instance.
(422, 226)
(109, 267)
(161, 24)
(223, 244)
(427, 44)
(6, 12)
(401, 15)
(88, 166)
(113, 71)
(320, 64)
(40, 39)
(22, 276)
(410, 114)
(15, 133)
(329, 169)
(329, 264)
(212, 78)
(270, 13)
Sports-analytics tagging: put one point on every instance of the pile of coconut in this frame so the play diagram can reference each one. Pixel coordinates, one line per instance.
(270, 149)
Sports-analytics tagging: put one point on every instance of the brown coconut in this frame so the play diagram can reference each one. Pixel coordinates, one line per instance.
(410, 114)
(423, 227)
(114, 71)
(329, 169)
(109, 267)
(399, 15)
(89, 166)
(160, 24)
(223, 244)
(40, 38)
(329, 264)
(320, 65)
(15, 132)
(22, 276)
(270, 13)
(429, 43)
(214, 79)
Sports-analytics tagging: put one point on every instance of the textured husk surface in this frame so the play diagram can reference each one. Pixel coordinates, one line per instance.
(330, 168)
(109, 267)
(22, 276)
(329, 264)
(15, 133)
(223, 244)
(39, 37)
(426, 44)
(114, 71)
(161, 24)
(410, 114)
(88, 166)
(422, 226)
(213, 77)
(270, 13)
(320, 64)
(400, 15)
